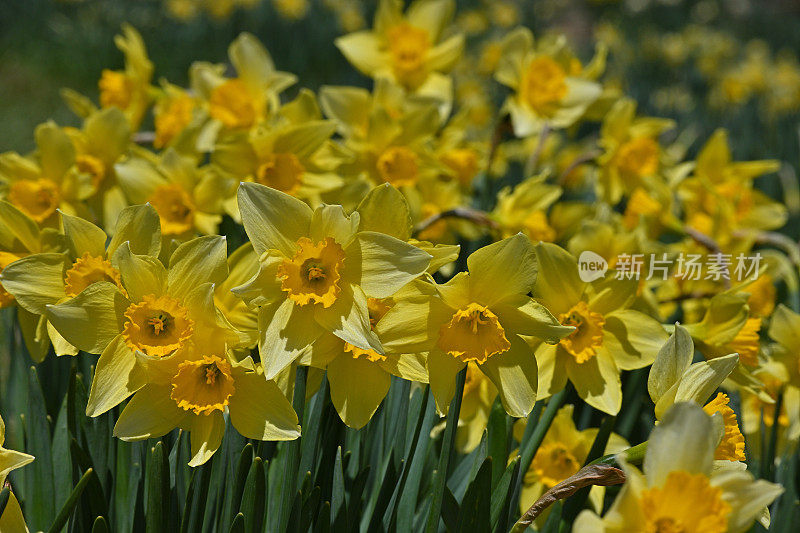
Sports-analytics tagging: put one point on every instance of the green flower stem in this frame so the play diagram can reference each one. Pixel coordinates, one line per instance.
(448, 442)
(292, 451)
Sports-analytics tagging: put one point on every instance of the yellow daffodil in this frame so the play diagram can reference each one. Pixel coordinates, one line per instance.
(188, 199)
(408, 48)
(43, 279)
(726, 327)
(11, 519)
(673, 379)
(244, 101)
(680, 489)
(316, 273)
(390, 142)
(47, 180)
(721, 190)
(608, 336)
(561, 454)
(292, 155)
(159, 313)
(549, 86)
(195, 391)
(129, 89)
(174, 111)
(632, 156)
(242, 265)
(477, 316)
(525, 209)
(104, 138)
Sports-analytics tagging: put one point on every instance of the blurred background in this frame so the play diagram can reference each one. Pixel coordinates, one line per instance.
(708, 63)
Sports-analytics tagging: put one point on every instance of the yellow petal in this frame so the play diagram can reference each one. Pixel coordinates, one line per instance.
(386, 263)
(260, 411)
(516, 46)
(205, 435)
(431, 15)
(597, 381)
(362, 50)
(514, 373)
(672, 361)
(558, 285)
(56, 151)
(116, 376)
(12, 520)
(525, 316)
(331, 221)
(348, 319)
(503, 270)
(151, 413)
(384, 209)
(108, 134)
(17, 226)
(272, 219)
(684, 440)
(139, 225)
(633, 338)
(358, 386)
(36, 281)
(784, 327)
(442, 370)
(83, 237)
(91, 320)
(552, 369)
(286, 332)
(200, 260)
(141, 274)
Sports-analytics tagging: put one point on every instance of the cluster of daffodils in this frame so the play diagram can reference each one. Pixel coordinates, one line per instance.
(398, 233)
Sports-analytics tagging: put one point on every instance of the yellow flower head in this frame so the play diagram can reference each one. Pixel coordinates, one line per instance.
(682, 489)
(473, 334)
(38, 198)
(281, 171)
(175, 209)
(157, 326)
(231, 103)
(312, 274)
(89, 269)
(204, 385)
(583, 342)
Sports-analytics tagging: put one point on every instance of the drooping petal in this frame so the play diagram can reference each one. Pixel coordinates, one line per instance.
(442, 370)
(597, 381)
(149, 414)
(116, 376)
(358, 386)
(287, 330)
(205, 436)
(525, 316)
(91, 320)
(260, 411)
(272, 219)
(514, 373)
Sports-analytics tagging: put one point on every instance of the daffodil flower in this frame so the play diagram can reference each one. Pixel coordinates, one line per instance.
(129, 89)
(47, 180)
(158, 313)
(195, 391)
(43, 279)
(632, 155)
(292, 155)
(561, 454)
(548, 89)
(408, 48)
(12, 519)
(316, 272)
(607, 338)
(680, 489)
(524, 209)
(673, 379)
(188, 199)
(477, 316)
(243, 101)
